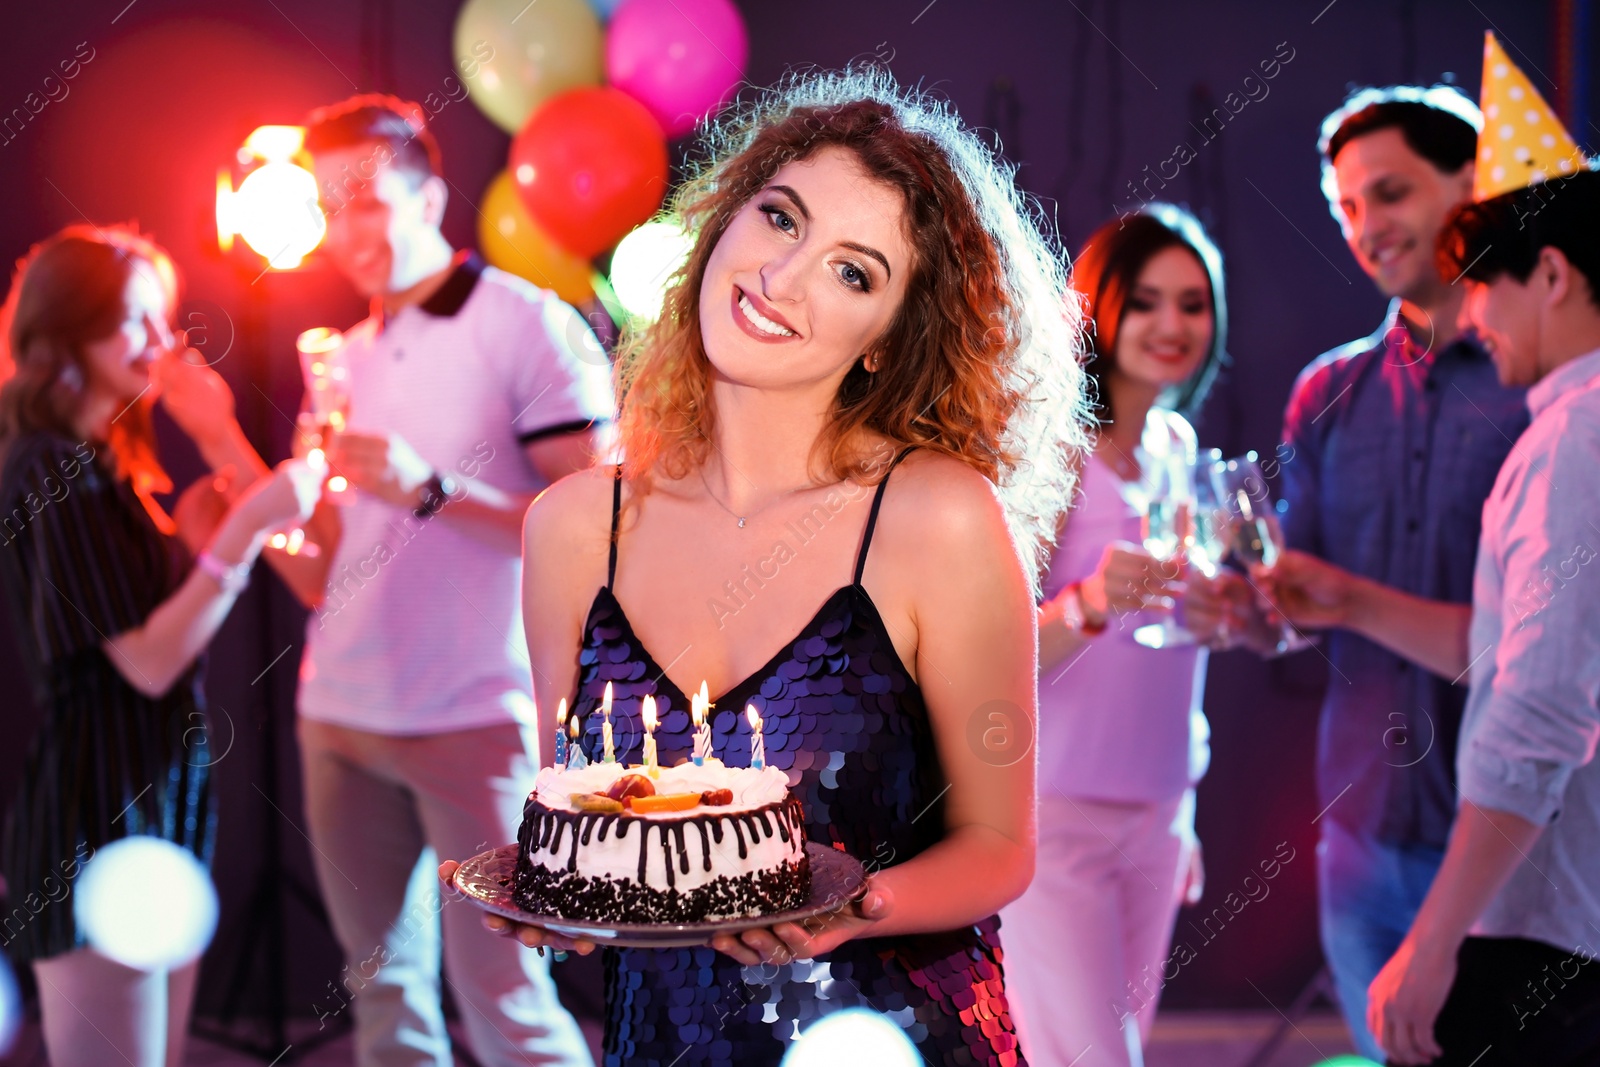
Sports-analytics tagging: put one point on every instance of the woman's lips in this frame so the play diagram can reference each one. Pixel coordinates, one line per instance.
(751, 328)
(1168, 357)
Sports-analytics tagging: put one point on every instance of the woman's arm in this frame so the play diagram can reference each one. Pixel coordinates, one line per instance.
(971, 637)
(200, 402)
(151, 656)
(564, 551)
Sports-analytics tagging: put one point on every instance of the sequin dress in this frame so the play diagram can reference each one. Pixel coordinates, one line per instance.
(847, 723)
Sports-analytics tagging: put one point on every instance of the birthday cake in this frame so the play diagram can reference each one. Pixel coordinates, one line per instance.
(609, 843)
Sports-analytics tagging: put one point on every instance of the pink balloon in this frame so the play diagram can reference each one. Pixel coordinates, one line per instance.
(679, 58)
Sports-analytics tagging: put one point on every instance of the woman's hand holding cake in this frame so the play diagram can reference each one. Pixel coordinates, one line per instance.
(786, 942)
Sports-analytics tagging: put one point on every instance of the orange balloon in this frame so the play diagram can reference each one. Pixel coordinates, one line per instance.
(513, 242)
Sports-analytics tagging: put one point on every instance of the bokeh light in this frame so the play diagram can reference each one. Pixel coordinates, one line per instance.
(146, 903)
(276, 212)
(854, 1037)
(10, 1007)
(1347, 1061)
(644, 262)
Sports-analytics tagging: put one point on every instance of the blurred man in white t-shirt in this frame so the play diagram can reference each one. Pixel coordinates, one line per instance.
(470, 391)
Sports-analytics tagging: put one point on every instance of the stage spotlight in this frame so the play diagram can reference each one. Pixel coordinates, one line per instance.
(146, 903)
(275, 207)
(644, 262)
(852, 1037)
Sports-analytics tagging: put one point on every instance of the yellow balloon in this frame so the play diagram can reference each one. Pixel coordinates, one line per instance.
(512, 241)
(513, 54)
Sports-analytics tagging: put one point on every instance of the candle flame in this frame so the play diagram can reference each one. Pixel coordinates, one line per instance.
(605, 702)
(572, 728)
(650, 713)
(754, 716)
(698, 715)
(705, 697)
(561, 712)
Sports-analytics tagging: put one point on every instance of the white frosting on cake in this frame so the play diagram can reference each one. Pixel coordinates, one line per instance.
(618, 858)
(750, 788)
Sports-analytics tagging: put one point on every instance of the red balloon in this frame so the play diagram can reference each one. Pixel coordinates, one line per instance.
(591, 164)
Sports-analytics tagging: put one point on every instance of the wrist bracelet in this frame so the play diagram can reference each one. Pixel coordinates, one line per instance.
(231, 577)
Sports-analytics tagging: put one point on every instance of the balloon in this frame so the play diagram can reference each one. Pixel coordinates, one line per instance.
(513, 55)
(513, 242)
(680, 58)
(590, 166)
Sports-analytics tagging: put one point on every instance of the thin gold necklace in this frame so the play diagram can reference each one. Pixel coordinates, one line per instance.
(746, 517)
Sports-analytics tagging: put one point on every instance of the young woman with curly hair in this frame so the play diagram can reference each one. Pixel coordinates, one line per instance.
(846, 440)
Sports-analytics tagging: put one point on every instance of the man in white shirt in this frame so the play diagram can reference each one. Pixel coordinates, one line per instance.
(470, 391)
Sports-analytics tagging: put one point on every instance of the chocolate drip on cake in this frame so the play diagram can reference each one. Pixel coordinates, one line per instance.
(541, 888)
(705, 846)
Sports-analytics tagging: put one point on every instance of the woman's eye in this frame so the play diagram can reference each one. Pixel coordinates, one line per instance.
(1136, 304)
(1196, 308)
(779, 218)
(855, 276)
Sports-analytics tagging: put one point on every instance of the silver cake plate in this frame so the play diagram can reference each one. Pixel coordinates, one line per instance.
(837, 879)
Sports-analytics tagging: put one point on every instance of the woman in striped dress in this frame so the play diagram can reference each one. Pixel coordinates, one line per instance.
(111, 615)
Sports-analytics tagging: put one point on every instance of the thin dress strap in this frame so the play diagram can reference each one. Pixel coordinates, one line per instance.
(872, 516)
(616, 509)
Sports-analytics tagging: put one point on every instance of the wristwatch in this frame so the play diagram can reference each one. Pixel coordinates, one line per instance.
(435, 494)
(1073, 613)
(231, 577)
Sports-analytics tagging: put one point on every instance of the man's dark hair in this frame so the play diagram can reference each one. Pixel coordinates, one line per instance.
(1503, 235)
(1438, 123)
(376, 118)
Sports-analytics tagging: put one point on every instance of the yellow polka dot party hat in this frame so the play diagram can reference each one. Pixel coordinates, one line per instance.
(1522, 142)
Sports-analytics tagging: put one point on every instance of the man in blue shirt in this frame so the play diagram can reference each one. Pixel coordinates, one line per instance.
(1391, 444)
(1499, 965)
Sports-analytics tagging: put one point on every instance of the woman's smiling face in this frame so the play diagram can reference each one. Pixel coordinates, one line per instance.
(807, 275)
(1167, 322)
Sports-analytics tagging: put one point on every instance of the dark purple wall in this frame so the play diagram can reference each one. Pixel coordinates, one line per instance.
(1085, 95)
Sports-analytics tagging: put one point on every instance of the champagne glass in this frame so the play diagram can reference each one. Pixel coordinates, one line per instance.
(327, 378)
(1168, 533)
(1257, 538)
(1213, 523)
(320, 353)
(1213, 527)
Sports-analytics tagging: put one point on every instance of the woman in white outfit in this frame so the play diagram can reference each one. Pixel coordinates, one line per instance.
(1122, 738)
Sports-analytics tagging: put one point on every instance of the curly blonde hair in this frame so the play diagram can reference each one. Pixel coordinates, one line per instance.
(980, 363)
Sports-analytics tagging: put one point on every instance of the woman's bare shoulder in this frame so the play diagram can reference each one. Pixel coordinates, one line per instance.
(572, 515)
(941, 505)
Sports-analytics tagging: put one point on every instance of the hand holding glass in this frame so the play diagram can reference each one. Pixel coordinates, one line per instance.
(1242, 490)
(1168, 532)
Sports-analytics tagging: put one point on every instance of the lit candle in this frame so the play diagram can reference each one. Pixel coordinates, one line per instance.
(561, 733)
(610, 753)
(576, 760)
(758, 746)
(650, 737)
(701, 705)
